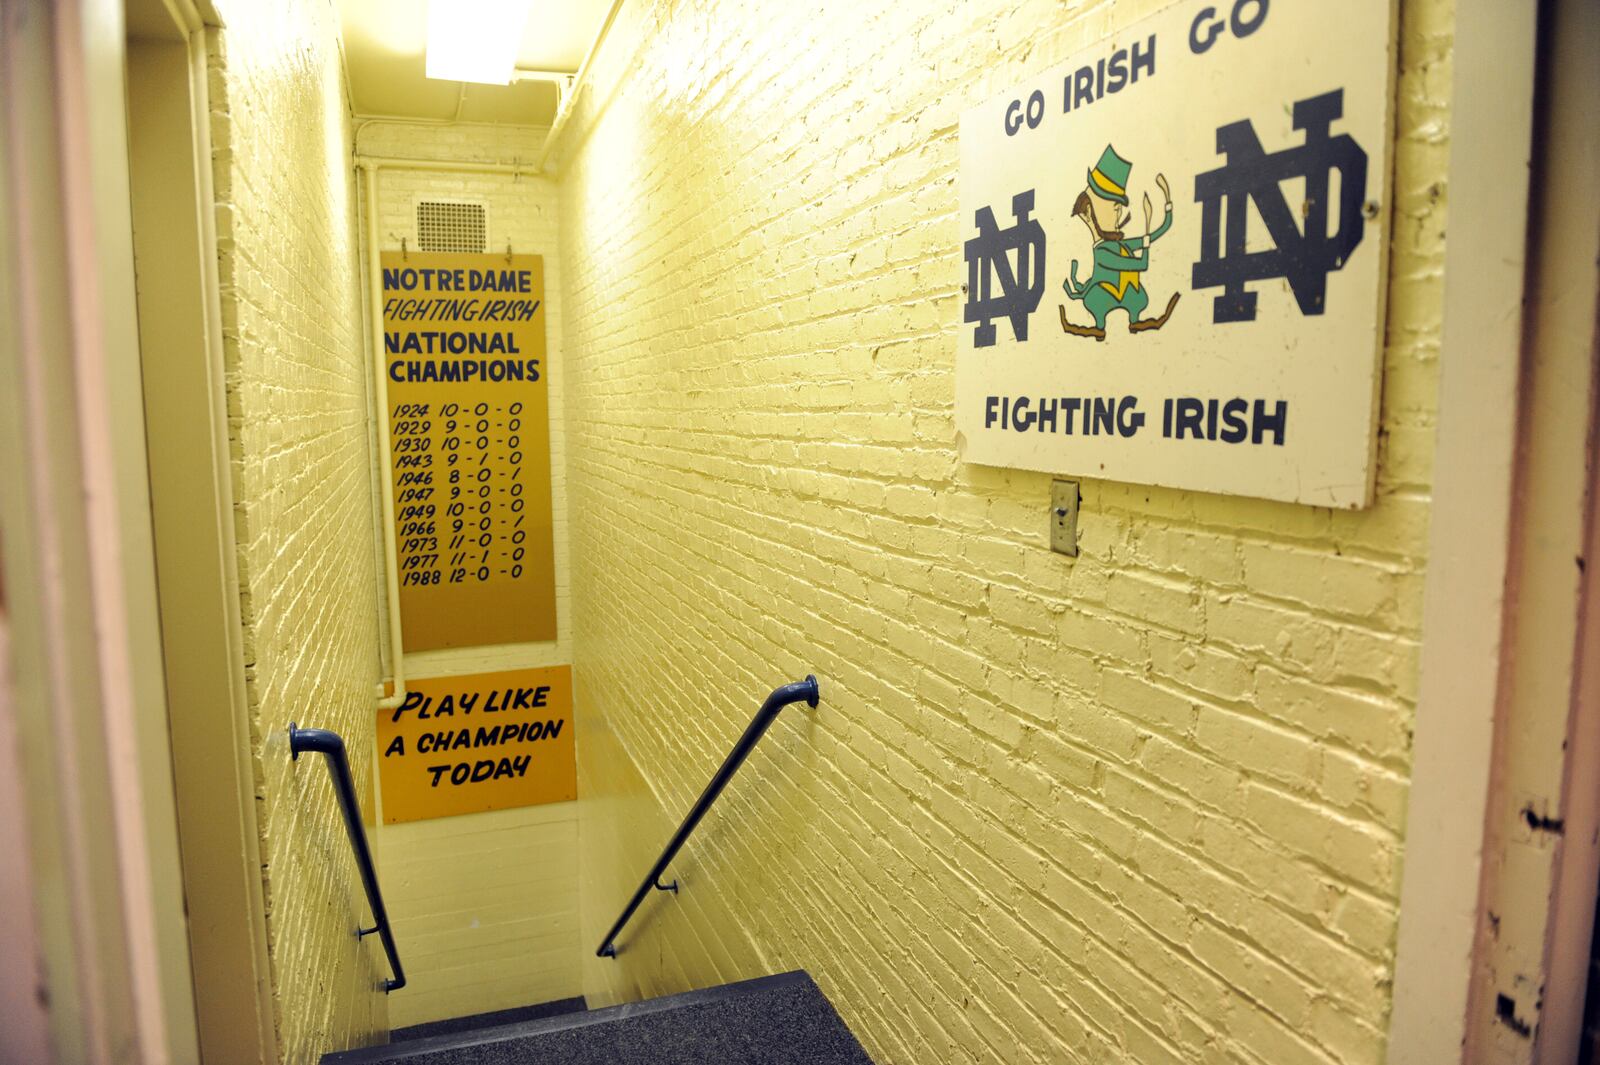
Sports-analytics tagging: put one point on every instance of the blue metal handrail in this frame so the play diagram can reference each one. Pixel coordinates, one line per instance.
(331, 746)
(780, 698)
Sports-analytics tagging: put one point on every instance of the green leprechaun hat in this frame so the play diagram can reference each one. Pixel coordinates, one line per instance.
(1109, 178)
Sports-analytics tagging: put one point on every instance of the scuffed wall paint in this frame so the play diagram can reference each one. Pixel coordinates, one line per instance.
(1141, 806)
(297, 392)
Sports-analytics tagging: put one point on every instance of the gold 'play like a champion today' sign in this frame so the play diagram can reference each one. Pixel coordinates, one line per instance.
(461, 745)
(468, 383)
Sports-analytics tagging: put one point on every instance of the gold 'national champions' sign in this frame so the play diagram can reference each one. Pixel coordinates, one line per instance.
(464, 345)
(461, 745)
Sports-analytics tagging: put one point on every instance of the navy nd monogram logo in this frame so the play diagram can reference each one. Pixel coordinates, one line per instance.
(989, 257)
(1303, 258)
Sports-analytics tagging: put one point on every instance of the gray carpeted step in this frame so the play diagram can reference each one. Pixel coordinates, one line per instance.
(773, 1020)
(489, 1020)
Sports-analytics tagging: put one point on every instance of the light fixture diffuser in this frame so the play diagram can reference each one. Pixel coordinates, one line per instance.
(475, 40)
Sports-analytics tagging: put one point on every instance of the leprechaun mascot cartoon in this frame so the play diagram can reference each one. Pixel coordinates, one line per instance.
(1117, 281)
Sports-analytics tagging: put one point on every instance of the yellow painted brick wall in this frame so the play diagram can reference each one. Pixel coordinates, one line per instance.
(297, 394)
(486, 905)
(1145, 805)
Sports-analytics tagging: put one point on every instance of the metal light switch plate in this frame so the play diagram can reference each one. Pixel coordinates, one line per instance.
(1064, 517)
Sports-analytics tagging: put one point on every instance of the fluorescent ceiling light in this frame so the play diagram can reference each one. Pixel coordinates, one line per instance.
(475, 40)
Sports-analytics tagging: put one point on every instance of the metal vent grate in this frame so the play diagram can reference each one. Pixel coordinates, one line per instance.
(446, 226)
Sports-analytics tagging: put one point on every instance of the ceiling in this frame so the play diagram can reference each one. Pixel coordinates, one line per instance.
(384, 43)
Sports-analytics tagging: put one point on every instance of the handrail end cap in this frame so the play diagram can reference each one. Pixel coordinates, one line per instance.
(815, 695)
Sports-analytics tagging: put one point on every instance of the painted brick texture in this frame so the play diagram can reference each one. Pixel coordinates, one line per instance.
(1143, 806)
(297, 399)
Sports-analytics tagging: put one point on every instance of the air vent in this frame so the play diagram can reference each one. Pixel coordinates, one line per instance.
(443, 225)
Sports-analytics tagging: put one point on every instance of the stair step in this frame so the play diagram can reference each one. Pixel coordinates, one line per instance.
(772, 1020)
(489, 1020)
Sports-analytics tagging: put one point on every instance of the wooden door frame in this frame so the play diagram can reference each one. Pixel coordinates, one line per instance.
(114, 821)
(1469, 540)
(1563, 337)
(191, 490)
(1498, 897)
(86, 698)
